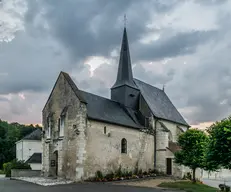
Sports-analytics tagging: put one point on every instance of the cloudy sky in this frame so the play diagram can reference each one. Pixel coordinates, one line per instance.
(185, 45)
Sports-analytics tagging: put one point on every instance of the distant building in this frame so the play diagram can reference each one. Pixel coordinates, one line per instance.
(84, 133)
(29, 149)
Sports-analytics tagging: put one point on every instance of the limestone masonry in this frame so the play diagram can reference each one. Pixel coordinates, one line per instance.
(84, 133)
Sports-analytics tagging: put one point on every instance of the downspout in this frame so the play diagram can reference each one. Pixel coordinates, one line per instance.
(155, 143)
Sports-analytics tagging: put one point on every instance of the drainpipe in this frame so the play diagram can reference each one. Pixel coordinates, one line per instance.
(155, 143)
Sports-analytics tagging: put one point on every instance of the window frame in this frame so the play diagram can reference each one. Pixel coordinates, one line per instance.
(61, 125)
(124, 146)
(48, 132)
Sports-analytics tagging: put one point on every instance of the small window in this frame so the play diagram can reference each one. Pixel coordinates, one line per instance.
(131, 95)
(123, 146)
(105, 130)
(48, 127)
(62, 125)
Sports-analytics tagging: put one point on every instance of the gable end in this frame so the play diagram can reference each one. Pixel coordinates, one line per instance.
(72, 85)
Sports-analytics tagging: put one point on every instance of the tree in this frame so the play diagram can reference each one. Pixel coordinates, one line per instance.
(193, 146)
(9, 134)
(219, 146)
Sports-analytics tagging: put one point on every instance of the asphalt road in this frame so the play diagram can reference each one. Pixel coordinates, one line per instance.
(7, 185)
(215, 183)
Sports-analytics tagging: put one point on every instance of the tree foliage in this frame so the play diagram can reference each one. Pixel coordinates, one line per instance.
(9, 134)
(193, 147)
(219, 146)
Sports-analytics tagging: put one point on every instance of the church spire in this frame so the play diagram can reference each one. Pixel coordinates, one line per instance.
(124, 74)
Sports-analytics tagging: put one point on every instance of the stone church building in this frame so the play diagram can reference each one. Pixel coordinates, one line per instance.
(83, 133)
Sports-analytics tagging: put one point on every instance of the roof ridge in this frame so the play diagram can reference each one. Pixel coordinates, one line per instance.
(73, 86)
(148, 84)
(99, 96)
(27, 137)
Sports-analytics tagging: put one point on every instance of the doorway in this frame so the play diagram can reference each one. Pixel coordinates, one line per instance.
(56, 162)
(169, 166)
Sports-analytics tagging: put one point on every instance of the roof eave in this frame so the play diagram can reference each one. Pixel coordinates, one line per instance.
(120, 124)
(160, 118)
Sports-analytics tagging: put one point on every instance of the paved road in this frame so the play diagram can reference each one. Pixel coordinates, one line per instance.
(215, 183)
(7, 185)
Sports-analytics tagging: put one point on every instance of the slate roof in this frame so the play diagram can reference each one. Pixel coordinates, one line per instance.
(124, 75)
(35, 135)
(35, 158)
(159, 103)
(103, 109)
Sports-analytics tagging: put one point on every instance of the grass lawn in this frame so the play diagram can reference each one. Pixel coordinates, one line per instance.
(188, 186)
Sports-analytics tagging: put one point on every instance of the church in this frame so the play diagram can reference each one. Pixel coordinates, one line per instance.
(84, 133)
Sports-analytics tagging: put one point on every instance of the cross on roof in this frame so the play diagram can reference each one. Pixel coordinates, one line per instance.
(125, 20)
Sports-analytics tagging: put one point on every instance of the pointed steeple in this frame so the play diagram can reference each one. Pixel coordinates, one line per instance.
(124, 75)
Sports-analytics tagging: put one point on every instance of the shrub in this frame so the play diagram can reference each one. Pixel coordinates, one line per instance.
(1, 172)
(99, 175)
(14, 164)
(119, 172)
(224, 187)
(109, 176)
(140, 172)
(136, 171)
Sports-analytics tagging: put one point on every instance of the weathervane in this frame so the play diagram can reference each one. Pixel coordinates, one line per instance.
(125, 20)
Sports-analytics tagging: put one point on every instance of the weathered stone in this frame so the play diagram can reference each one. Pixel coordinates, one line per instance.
(85, 147)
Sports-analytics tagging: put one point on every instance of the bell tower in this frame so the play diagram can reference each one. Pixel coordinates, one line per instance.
(124, 90)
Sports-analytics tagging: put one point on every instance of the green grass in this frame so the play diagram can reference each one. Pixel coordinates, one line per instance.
(188, 186)
(1, 172)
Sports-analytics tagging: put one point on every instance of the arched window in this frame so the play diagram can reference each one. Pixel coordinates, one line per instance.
(123, 146)
(105, 130)
(170, 136)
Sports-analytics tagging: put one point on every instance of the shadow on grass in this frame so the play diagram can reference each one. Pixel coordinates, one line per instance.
(188, 186)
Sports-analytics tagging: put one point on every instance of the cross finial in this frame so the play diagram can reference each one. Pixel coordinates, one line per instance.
(125, 20)
(163, 86)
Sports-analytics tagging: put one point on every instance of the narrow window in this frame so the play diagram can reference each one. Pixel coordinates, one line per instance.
(48, 127)
(123, 146)
(59, 125)
(105, 130)
(62, 124)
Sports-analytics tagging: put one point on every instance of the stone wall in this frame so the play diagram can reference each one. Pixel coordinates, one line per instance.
(104, 150)
(66, 147)
(25, 173)
(174, 129)
(162, 139)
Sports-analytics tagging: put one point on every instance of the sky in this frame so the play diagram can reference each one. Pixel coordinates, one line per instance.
(184, 45)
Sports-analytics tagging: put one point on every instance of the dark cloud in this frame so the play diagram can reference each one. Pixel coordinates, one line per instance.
(177, 45)
(94, 27)
(28, 64)
(61, 35)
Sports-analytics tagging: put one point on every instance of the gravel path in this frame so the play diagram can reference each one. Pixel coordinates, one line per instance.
(44, 181)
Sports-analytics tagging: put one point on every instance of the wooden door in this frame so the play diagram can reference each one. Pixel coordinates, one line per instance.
(169, 166)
